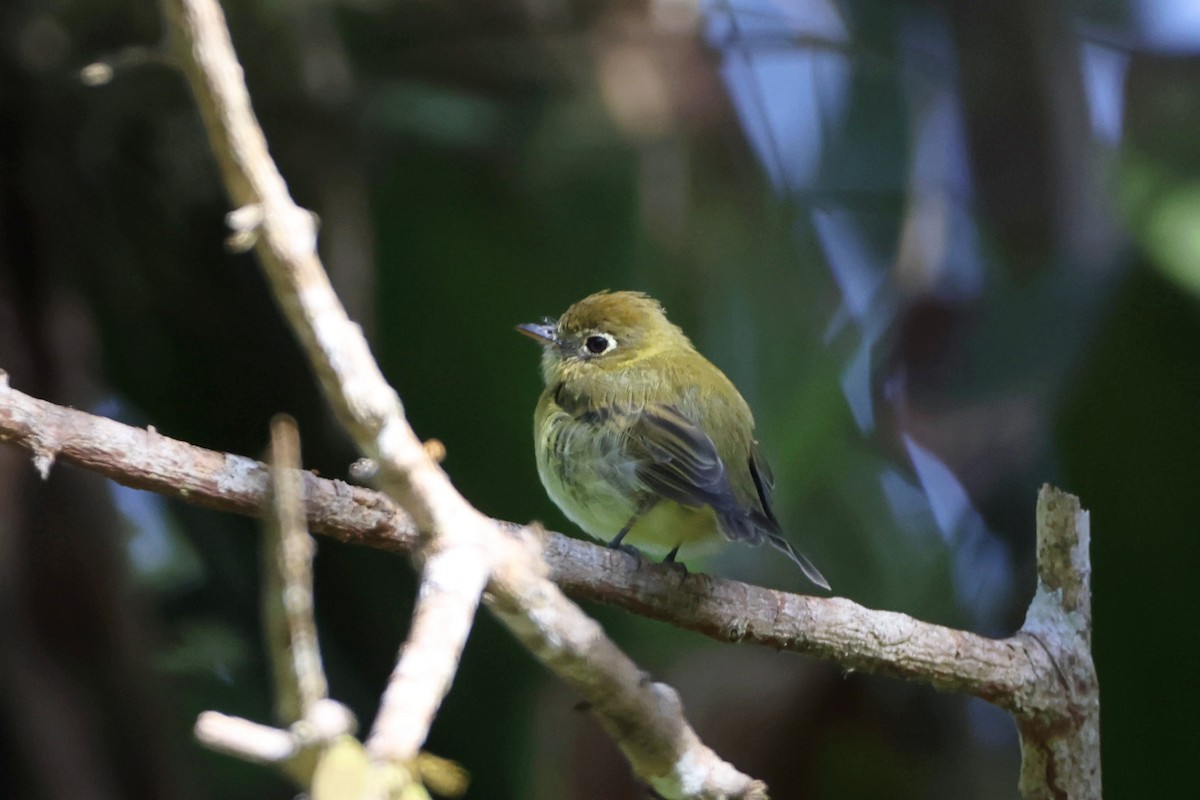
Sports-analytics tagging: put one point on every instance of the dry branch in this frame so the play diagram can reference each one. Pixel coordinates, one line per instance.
(287, 596)
(454, 570)
(460, 550)
(1060, 743)
(1023, 673)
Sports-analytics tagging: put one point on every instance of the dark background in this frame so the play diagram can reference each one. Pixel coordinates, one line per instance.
(949, 251)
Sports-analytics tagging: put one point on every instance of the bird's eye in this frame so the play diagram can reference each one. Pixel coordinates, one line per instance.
(599, 343)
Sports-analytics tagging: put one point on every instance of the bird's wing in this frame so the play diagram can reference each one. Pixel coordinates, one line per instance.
(675, 458)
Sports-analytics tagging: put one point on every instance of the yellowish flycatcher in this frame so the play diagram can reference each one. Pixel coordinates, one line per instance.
(640, 438)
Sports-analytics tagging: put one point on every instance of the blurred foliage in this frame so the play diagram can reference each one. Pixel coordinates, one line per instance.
(983, 279)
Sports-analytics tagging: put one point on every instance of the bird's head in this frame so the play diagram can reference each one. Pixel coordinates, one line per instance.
(606, 331)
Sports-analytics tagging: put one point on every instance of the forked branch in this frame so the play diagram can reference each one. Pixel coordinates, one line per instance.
(1043, 675)
(460, 551)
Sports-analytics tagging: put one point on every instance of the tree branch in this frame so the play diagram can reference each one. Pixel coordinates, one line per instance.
(1021, 673)
(1060, 743)
(871, 641)
(460, 550)
(287, 596)
(455, 568)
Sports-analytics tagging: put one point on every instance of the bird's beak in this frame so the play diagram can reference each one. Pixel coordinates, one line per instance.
(543, 333)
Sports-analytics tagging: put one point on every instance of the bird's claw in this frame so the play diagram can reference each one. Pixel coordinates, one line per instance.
(628, 549)
(678, 567)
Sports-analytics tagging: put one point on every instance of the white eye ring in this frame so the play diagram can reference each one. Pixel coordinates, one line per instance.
(597, 344)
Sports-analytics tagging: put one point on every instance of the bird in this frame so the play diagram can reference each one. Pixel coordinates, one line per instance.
(641, 441)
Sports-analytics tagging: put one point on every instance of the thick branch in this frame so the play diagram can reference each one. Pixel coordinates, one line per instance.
(1015, 673)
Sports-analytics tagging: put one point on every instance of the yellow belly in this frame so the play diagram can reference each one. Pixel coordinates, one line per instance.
(584, 476)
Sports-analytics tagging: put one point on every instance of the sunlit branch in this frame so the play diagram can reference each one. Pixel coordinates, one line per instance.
(284, 237)
(460, 550)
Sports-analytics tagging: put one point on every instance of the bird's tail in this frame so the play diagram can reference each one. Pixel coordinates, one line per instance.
(807, 567)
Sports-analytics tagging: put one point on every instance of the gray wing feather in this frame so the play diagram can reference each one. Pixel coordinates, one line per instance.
(676, 459)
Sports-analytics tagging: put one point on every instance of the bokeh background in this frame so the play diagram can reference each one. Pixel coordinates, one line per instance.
(948, 250)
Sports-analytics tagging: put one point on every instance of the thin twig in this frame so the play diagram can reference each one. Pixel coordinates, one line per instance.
(287, 594)
(248, 740)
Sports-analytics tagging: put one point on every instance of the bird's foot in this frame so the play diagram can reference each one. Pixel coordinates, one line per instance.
(679, 568)
(627, 549)
(676, 566)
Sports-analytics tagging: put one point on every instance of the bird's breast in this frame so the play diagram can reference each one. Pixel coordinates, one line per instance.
(581, 464)
(586, 470)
